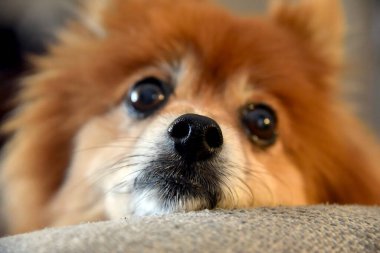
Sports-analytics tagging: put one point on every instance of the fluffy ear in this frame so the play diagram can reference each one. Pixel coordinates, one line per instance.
(91, 16)
(320, 23)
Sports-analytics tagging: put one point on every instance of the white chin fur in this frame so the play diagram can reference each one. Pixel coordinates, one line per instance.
(146, 203)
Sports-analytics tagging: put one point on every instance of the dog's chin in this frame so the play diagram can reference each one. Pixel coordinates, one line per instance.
(171, 184)
(149, 203)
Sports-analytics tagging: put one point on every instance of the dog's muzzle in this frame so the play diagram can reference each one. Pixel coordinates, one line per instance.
(188, 167)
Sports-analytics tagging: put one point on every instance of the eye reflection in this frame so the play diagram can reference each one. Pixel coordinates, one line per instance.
(260, 124)
(147, 96)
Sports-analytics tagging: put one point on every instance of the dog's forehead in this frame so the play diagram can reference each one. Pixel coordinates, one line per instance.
(220, 43)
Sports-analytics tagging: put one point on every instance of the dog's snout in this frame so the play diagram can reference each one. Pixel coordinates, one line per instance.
(196, 137)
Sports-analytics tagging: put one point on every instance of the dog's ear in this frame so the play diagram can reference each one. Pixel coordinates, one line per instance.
(319, 23)
(91, 16)
(93, 12)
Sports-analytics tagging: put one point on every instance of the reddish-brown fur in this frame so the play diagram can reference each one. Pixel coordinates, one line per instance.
(83, 77)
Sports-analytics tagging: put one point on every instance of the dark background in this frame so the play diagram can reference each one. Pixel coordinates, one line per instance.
(27, 26)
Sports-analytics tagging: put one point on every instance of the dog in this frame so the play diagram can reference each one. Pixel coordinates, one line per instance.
(153, 107)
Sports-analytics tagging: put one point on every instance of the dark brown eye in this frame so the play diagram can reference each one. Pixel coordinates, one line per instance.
(147, 96)
(260, 123)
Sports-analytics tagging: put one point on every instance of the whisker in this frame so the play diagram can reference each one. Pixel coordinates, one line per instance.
(124, 183)
(251, 173)
(123, 162)
(246, 189)
(227, 186)
(145, 195)
(110, 146)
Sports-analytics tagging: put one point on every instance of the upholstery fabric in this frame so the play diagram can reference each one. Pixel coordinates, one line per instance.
(320, 228)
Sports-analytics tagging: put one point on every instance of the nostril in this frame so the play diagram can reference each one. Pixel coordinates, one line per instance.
(195, 137)
(214, 137)
(179, 130)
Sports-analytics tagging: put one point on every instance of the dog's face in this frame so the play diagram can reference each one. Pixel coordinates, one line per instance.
(176, 106)
(177, 142)
(197, 125)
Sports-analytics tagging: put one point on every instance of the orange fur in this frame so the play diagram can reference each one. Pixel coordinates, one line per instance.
(291, 56)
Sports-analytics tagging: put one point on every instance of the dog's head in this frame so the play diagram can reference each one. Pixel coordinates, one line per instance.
(162, 106)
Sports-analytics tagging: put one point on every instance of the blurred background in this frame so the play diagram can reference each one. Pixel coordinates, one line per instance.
(26, 27)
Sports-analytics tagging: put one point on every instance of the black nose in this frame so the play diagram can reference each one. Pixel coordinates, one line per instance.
(196, 137)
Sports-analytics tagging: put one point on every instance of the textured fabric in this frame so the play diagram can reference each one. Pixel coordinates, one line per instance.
(301, 229)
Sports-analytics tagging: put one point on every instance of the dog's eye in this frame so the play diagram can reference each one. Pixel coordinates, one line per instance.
(260, 121)
(147, 96)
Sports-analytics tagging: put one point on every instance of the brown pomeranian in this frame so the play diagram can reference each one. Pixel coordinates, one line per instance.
(152, 107)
